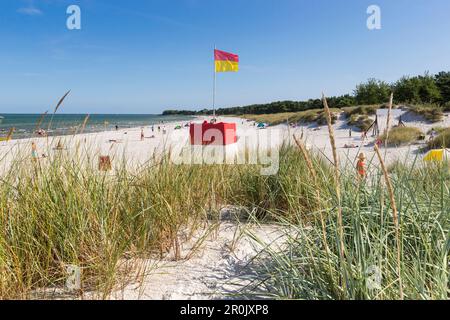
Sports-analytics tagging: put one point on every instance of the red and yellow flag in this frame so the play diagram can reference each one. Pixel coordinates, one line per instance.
(226, 62)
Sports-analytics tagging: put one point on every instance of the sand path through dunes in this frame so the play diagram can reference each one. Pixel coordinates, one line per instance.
(218, 269)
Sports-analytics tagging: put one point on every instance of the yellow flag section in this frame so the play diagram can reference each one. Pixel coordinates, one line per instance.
(437, 155)
(226, 62)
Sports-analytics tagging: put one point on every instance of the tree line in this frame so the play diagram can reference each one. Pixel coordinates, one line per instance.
(422, 89)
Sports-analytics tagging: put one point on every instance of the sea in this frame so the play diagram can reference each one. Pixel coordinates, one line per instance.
(26, 125)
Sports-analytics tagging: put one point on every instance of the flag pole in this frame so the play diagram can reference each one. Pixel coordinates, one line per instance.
(214, 86)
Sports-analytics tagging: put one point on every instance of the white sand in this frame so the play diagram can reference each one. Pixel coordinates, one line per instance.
(129, 145)
(218, 269)
(113, 143)
(215, 264)
(317, 138)
(219, 262)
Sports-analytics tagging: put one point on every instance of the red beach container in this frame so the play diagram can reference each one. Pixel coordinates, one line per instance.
(217, 134)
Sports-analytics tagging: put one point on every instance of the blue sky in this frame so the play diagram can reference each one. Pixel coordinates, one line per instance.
(144, 56)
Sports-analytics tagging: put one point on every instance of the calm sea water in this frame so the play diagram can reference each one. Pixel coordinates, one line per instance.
(63, 124)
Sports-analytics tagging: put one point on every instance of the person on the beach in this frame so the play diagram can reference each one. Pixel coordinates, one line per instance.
(350, 133)
(34, 153)
(432, 134)
(361, 166)
(159, 128)
(153, 128)
(378, 142)
(142, 135)
(364, 135)
(117, 127)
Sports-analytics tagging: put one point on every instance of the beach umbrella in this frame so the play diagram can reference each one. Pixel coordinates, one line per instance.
(261, 125)
(437, 155)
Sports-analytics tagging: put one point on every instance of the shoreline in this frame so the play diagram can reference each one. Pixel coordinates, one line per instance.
(25, 125)
(126, 142)
(211, 248)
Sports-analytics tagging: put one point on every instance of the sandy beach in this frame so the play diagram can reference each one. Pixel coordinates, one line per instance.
(216, 268)
(317, 138)
(127, 143)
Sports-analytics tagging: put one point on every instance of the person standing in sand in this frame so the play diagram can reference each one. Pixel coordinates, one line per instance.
(364, 135)
(142, 135)
(34, 153)
(433, 134)
(361, 166)
(379, 142)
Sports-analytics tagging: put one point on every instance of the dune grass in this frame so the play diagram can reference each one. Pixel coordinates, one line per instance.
(362, 122)
(438, 129)
(442, 140)
(367, 110)
(308, 116)
(403, 135)
(60, 212)
(430, 112)
(311, 267)
(272, 119)
(64, 211)
(446, 107)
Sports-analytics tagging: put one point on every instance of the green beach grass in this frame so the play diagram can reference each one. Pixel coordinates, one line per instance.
(442, 140)
(60, 212)
(308, 116)
(311, 266)
(430, 112)
(402, 135)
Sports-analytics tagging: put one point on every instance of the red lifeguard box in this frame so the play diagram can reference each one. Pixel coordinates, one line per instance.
(218, 134)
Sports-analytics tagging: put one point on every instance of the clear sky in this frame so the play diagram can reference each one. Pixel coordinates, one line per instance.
(144, 56)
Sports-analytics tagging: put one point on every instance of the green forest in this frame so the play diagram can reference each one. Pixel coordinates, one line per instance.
(422, 89)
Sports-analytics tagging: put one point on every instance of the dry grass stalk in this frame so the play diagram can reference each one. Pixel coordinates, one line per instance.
(313, 173)
(309, 163)
(84, 123)
(388, 120)
(61, 101)
(56, 108)
(395, 217)
(41, 119)
(336, 178)
(332, 139)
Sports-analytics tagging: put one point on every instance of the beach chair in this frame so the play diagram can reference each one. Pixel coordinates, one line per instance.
(437, 155)
(9, 136)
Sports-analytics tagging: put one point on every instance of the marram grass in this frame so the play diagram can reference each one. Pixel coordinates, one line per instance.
(305, 269)
(63, 211)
